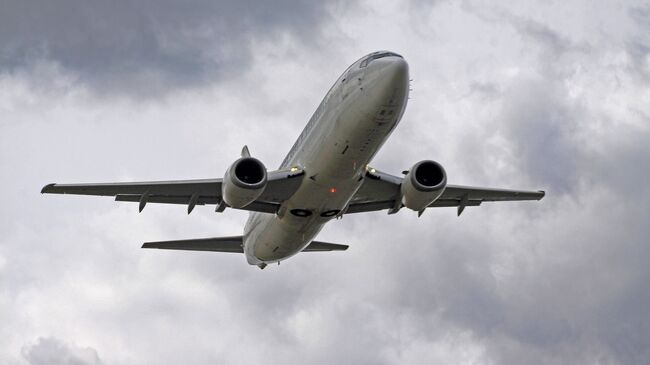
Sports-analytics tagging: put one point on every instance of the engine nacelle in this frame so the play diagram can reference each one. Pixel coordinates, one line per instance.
(245, 181)
(423, 184)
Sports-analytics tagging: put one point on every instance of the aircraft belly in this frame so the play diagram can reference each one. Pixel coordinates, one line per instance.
(277, 237)
(274, 240)
(345, 152)
(334, 155)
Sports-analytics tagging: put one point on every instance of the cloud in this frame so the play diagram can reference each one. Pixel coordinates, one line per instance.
(149, 46)
(528, 98)
(638, 47)
(51, 351)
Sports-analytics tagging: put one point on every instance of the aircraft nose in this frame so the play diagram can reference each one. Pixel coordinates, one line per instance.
(394, 67)
(388, 80)
(392, 72)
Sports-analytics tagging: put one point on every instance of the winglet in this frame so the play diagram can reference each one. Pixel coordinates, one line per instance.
(245, 152)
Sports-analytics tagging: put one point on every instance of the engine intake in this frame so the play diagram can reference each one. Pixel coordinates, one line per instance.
(244, 181)
(424, 183)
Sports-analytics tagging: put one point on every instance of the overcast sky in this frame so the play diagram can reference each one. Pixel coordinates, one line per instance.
(550, 95)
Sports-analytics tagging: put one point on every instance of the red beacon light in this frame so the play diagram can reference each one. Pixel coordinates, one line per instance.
(332, 190)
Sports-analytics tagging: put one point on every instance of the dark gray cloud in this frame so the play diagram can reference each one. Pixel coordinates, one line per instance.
(537, 113)
(51, 351)
(149, 46)
(638, 47)
(537, 120)
(504, 99)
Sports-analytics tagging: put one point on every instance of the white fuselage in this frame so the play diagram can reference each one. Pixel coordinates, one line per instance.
(352, 122)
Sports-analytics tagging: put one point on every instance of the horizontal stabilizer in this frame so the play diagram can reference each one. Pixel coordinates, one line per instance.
(315, 246)
(217, 244)
(230, 244)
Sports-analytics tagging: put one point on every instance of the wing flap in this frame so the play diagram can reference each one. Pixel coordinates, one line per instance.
(440, 203)
(166, 199)
(255, 206)
(206, 187)
(388, 204)
(489, 194)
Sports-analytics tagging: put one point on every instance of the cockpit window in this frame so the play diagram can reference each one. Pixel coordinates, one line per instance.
(375, 56)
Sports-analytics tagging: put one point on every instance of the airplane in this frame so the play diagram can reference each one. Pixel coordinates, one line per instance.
(325, 175)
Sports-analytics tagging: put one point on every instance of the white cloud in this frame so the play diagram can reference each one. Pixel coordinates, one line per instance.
(51, 351)
(550, 96)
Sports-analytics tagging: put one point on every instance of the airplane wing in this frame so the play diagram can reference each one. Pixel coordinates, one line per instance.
(281, 186)
(382, 191)
(230, 244)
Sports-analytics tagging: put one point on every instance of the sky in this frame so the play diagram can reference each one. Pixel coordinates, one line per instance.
(551, 95)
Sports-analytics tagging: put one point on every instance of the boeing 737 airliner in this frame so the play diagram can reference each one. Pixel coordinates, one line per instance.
(324, 176)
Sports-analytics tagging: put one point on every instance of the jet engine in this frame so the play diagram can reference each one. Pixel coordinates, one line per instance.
(423, 184)
(244, 182)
